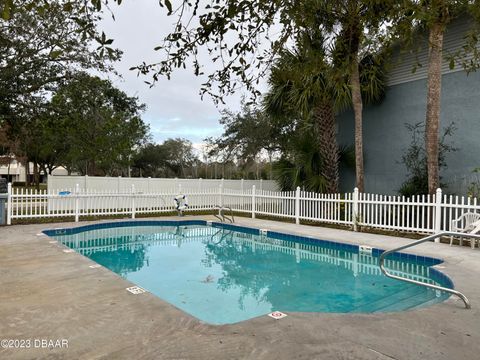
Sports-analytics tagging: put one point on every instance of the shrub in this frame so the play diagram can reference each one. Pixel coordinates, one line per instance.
(474, 187)
(415, 159)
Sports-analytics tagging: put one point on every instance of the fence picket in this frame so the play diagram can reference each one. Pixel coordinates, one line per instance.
(418, 213)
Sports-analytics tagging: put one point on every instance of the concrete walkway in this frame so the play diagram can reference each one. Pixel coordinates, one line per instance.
(47, 294)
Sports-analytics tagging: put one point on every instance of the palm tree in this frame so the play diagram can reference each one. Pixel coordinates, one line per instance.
(436, 15)
(433, 16)
(324, 73)
(302, 165)
(305, 85)
(434, 89)
(348, 20)
(300, 89)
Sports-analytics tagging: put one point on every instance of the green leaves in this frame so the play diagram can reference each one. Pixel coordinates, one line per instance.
(415, 158)
(43, 44)
(68, 7)
(102, 125)
(7, 9)
(55, 54)
(451, 64)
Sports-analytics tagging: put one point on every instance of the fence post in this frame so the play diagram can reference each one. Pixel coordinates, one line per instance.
(9, 204)
(220, 188)
(133, 201)
(77, 202)
(297, 205)
(438, 212)
(253, 202)
(355, 209)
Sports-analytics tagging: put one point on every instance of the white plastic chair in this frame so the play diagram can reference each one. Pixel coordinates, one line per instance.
(468, 223)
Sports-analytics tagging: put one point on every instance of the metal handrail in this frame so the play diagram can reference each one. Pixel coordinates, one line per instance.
(425, 239)
(221, 212)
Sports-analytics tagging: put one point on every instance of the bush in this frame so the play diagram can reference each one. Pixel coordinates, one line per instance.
(415, 159)
(474, 187)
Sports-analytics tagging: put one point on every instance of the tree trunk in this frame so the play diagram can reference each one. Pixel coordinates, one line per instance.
(434, 90)
(9, 165)
(357, 110)
(27, 172)
(182, 169)
(36, 175)
(270, 170)
(326, 132)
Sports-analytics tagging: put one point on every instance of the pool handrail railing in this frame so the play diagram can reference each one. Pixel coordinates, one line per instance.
(421, 241)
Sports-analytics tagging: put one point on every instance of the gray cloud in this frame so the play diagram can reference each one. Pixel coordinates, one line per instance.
(174, 108)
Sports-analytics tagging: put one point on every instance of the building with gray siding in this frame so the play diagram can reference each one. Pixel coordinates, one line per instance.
(385, 136)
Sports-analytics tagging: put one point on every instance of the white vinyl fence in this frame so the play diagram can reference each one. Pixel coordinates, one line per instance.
(421, 214)
(152, 185)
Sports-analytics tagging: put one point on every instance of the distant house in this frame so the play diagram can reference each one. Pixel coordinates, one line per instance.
(385, 136)
(14, 171)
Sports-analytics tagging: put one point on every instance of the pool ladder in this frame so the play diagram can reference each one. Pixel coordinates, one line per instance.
(421, 241)
(221, 213)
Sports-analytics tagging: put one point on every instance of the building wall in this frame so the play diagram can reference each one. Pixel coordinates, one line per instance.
(17, 172)
(385, 136)
(410, 65)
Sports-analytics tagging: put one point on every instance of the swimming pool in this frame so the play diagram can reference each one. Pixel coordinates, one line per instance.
(222, 273)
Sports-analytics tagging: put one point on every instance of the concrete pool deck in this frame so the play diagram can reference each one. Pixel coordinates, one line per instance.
(47, 294)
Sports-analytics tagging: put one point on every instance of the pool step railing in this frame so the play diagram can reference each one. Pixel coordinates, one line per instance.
(418, 242)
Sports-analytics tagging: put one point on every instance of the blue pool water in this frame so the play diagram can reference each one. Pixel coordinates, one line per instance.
(225, 274)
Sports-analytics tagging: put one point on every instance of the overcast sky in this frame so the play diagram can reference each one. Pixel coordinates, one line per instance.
(174, 108)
